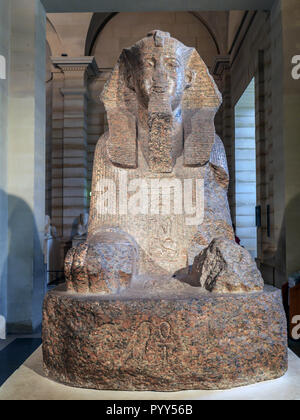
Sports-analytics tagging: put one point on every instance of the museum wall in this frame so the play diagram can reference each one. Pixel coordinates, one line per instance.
(291, 129)
(49, 89)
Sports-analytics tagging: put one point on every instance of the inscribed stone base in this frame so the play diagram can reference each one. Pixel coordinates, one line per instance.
(210, 341)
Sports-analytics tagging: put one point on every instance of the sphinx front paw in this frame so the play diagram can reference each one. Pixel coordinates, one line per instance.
(226, 267)
(101, 267)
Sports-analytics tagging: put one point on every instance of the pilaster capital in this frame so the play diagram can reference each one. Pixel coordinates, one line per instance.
(221, 63)
(86, 64)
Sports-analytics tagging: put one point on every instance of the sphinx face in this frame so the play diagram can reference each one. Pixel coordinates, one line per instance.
(159, 74)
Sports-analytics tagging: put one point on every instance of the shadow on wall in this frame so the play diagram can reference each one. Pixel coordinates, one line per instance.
(23, 282)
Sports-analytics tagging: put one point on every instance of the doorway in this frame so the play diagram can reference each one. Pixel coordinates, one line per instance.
(245, 169)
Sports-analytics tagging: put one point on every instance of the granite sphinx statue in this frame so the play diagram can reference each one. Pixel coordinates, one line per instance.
(159, 296)
(161, 104)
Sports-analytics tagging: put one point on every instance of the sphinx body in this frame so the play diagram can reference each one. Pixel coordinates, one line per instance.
(167, 237)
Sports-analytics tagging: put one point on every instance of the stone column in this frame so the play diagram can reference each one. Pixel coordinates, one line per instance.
(25, 159)
(57, 150)
(4, 52)
(261, 155)
(221, 69)
(228, 139)
(74, 160)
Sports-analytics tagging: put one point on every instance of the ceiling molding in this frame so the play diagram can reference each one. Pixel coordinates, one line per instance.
(106, 6)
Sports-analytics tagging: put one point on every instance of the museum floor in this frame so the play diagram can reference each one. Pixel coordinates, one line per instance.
(14, 351)
(21, 364)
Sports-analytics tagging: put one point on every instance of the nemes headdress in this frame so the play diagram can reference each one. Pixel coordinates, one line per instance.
(201, 100)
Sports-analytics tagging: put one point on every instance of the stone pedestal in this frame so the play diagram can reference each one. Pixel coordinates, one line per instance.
(142, 341)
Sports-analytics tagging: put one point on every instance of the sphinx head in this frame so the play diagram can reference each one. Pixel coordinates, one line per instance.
(161, 78)
(158, 70)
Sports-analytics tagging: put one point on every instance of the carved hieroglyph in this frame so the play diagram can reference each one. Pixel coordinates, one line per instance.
(160, 174)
